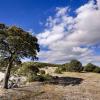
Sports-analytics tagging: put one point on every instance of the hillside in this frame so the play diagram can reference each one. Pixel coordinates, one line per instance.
(41, 64)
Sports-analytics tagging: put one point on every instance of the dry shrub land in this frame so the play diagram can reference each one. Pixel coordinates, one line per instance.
(66, 86)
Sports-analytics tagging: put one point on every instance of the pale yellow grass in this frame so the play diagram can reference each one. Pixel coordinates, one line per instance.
(88, 89)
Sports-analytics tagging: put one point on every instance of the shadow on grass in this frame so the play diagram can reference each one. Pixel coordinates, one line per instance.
(64, 81)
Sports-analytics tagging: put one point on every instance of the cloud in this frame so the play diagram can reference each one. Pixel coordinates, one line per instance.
(68, 37)
(87, 25)
(98, 4)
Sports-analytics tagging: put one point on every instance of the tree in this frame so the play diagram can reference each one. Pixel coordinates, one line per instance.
(90, 67)
(15, 44)
(97, 70)
(74, 66)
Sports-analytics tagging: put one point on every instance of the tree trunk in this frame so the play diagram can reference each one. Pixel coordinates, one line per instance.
(7, 74)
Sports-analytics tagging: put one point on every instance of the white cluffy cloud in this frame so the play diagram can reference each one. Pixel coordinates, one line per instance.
(68, 37)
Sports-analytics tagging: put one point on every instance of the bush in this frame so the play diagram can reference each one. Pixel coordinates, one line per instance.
(31, 77)
(58, 70)
(89, 67)
(42, 72)
(97, 70)
(45, 77)
(62, 68)
(25, 70)
(74, 66)
(33, 69)
(41, 78)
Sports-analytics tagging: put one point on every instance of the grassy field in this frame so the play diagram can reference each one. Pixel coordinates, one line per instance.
(71, 86)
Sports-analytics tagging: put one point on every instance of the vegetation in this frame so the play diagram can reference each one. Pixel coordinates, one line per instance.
(32, 73)
(74, 66)
(89, 67)
(27, 70)
(42, 72)
(44, 77)
(40, 64)
(92, 68)
(97, 70)
(61, 68)
(15, 44)
(58, 70)
(41, 77)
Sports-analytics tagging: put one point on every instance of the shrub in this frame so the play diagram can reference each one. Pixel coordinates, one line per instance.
(25, 70)
(34, 69)
(74, 66)
(32, 77)
(45, 77)
(89, 67)
(42, 72)
(97, 70)
(58, 70)
(62, 68)
(41, 78)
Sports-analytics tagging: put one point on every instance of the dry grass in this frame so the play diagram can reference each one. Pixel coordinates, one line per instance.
(89, 89)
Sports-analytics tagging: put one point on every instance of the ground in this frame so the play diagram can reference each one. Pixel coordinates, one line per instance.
(67, 86)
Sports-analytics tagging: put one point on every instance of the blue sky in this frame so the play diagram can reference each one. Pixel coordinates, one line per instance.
(30, 13)
(66, 29)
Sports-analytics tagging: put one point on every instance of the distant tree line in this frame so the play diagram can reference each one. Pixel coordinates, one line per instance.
(76, 66)
(72, 66)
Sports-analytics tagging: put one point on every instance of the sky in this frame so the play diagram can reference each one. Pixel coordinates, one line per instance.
(66, 29)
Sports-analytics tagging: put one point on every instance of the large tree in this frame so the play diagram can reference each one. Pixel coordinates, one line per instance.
(15, 44)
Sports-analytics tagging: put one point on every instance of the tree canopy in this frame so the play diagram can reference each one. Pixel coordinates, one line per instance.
(16, 44)
(15, 41)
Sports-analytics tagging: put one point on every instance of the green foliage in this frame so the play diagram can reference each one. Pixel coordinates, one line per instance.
(27, 70)
(74, 66)
(97, 70)
(63, 68)
(33, 73)
(41, 78)
(58, 70)
(47, 77)
(40, 64)
(15, 43)
(30, 71)
(33, 69)
(89, 67)
(42, 72)
(44, 77)
(32, 77)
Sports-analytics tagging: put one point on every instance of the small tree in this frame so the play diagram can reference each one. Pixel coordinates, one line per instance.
(15, 44)
(89, 67)
(75, 66)
(97, 70)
